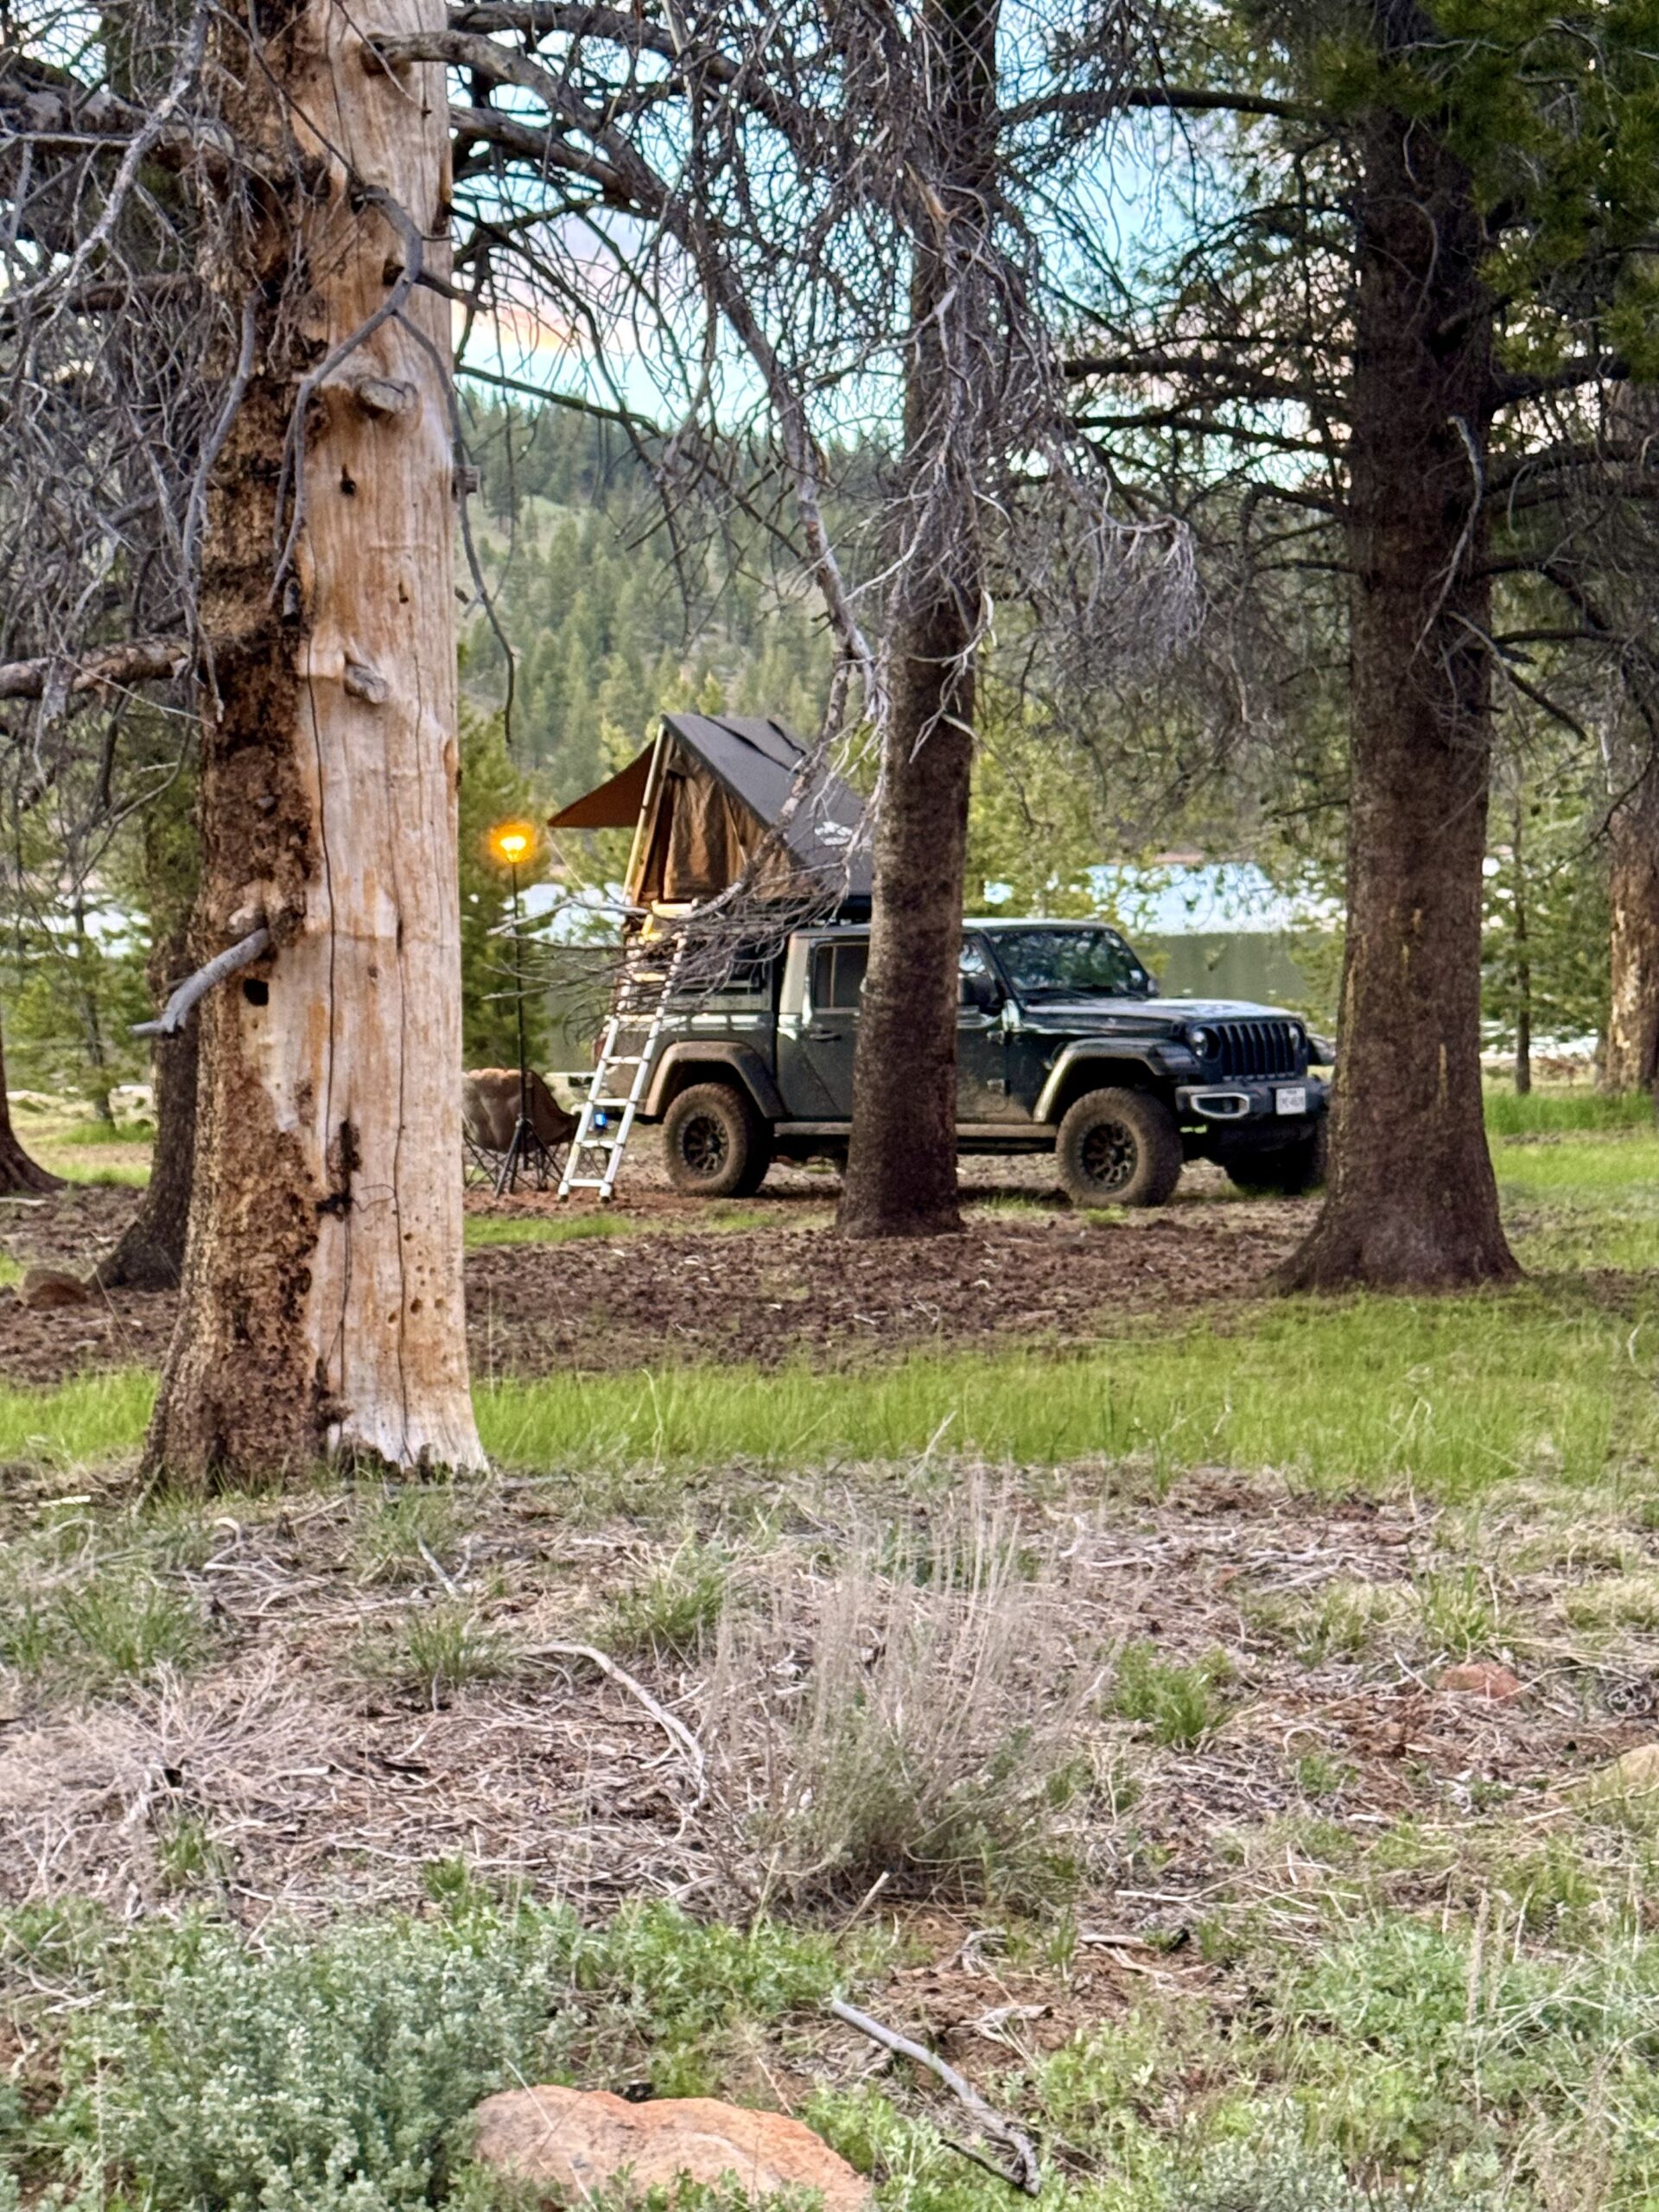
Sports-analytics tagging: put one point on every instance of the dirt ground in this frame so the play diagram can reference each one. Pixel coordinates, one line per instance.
(328, 1775)
(768, 1284)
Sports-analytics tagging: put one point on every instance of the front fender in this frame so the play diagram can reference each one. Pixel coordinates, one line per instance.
(1112, 1061)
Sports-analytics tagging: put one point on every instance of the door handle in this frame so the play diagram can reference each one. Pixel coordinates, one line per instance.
(824, 1036)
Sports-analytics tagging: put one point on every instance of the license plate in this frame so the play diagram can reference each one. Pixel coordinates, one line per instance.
(1292, 1100)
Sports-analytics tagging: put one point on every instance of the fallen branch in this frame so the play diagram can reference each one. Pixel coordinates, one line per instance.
(1028, 2175)
(675, 1729)
(173, 1015)
(142, 662)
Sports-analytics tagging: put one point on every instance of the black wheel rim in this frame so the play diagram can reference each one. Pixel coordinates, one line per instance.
(1109, 1155)
(703, 1145)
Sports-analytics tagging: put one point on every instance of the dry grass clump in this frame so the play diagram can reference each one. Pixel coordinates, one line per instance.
(914, 1720)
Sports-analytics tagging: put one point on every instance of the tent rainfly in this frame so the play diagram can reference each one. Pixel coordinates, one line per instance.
(704, 799)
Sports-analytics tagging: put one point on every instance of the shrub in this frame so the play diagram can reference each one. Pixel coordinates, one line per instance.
(920, 1727)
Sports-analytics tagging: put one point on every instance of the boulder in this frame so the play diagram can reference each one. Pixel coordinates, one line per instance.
(576, 2142)
(1482, 1678)
(41, 1288)
(1636, 1775)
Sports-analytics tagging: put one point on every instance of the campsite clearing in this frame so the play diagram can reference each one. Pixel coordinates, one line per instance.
(1206, 1736)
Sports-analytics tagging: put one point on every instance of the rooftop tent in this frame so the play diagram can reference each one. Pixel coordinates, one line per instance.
(701, 802)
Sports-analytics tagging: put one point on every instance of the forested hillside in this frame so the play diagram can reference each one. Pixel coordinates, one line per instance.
(614, 611)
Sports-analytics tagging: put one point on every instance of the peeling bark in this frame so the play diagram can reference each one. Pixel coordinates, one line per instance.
(321, 1307)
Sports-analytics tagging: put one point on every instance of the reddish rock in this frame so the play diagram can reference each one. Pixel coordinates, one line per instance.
(41, 1288)
(578, 2141)
(1482, 1678)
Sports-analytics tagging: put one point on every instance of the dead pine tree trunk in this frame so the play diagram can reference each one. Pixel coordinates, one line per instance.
(1632, 1055)
(19, 1174)
(901, 1169)
(321, 1306)
(150, 1253)
(1412, 1201)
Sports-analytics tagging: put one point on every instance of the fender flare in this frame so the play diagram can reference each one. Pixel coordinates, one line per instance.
(740, 1060)
(1081, 1053)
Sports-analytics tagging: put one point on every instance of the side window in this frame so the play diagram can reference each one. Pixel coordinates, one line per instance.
(975, 977)
(838, 976)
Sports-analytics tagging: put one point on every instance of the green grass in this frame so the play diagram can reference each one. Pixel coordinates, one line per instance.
(1571, 1107)
(80, 1423)
(124, 1175)
(542, 1229)
(1450, 1395)
(483, 1228)
(1583, 1201)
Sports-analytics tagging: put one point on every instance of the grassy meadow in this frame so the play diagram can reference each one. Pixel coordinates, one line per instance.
(1223, 1743)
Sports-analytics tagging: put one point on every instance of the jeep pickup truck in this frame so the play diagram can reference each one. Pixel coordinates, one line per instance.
(1064, 1047)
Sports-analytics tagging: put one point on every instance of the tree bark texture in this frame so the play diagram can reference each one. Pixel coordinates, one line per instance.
(901, 1169)
(150, 1253)
(1632, 1057)
(18, 1172)
(322, 1309)
(1412, 1201)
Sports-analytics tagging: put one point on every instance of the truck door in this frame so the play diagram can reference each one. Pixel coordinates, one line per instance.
(835, 980)
(982, 1083)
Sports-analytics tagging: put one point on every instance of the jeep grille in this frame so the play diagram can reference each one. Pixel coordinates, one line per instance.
(1251, 1048)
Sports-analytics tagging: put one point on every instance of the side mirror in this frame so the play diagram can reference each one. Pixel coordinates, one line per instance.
(979, 991)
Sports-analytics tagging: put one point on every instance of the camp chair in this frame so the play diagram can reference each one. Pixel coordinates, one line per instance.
(489, 1115)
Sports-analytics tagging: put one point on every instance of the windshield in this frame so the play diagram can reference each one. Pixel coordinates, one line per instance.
(1066, 961)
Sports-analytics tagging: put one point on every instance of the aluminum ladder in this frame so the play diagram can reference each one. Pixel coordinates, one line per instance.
(649, 970)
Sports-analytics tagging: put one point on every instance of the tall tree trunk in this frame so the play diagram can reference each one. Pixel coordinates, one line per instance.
(1632, 1055)
(901, 1169)
(1413, 1201)
(18, 1172)
(150, 1253)
(321, 1308)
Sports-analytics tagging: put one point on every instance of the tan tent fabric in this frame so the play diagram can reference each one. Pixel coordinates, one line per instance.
(723, 782)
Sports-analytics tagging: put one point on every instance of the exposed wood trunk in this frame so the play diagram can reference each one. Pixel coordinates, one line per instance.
(901, 1169)
(17, 1171)
(321, 1308)
(150, 1253)
(1413, 1201)
(1632, 1054)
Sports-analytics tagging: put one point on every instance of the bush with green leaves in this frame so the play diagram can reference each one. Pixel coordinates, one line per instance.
(207, 2071)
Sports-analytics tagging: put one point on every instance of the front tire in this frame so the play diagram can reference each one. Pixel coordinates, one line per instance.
(715, 1143)
(1119, 1148)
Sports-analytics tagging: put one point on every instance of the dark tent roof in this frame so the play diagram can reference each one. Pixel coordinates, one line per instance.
(756, 761)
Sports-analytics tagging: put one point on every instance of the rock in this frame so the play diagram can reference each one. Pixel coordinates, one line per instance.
(42, 1288)
(1482, 1678)
(1635, 1775)
(577, 2142)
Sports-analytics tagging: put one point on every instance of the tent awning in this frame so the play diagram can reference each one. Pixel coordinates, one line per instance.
(613, 805)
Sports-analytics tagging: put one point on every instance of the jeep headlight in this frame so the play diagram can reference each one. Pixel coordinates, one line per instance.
(1203, 1042)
